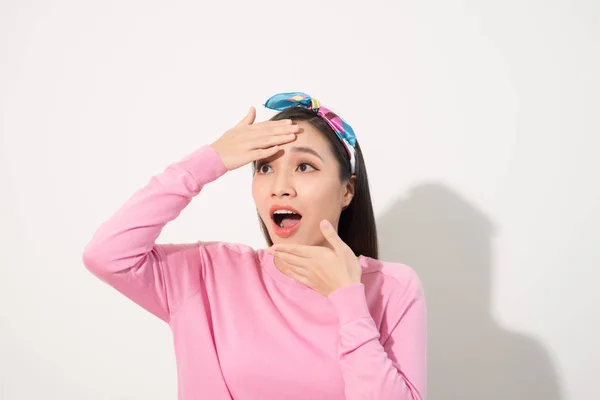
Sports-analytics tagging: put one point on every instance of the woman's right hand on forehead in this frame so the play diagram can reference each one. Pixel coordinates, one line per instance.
(247, 141)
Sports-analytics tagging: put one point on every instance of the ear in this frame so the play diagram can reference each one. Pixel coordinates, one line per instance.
(349, 192)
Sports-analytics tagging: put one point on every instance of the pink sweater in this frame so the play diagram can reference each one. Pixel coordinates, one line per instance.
(242, 329)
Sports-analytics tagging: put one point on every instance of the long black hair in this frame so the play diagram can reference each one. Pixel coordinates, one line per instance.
(357, 221)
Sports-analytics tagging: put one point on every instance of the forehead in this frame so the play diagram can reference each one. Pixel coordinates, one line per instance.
(309, 136)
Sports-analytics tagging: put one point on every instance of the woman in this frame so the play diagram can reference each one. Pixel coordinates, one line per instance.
(315, 315)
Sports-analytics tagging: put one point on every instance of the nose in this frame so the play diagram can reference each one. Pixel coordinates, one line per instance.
(283, 185)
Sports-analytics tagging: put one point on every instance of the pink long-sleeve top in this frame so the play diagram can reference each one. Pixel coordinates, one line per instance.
(242, 329)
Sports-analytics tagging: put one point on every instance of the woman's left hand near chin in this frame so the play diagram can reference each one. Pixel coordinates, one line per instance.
(320, 268)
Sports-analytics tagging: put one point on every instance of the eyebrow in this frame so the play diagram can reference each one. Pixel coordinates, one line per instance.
(306, 150)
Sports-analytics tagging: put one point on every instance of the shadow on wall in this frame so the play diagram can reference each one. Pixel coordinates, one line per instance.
(449, 244)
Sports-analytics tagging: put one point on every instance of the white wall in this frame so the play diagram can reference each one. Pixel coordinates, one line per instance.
(478, 120)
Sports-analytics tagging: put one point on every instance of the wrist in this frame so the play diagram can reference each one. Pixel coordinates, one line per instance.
(350, 302)
(204, 164)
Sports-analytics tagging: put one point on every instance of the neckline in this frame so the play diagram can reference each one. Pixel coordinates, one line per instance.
(269, 265)
(275, 273)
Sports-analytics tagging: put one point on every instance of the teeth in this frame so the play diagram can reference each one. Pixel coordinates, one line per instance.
(283, 212)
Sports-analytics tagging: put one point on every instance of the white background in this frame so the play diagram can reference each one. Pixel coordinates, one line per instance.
(480, 129)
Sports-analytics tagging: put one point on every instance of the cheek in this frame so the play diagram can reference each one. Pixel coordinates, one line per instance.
(324, 197)
(261, 194)
(257, 193)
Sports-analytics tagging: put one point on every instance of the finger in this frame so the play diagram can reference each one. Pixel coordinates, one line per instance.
(298, 250)
(268, 141)
(332, 237)
(300, 278)
(275, 127)
(294, 269)
(293, 259)
(260, 154)
(249, 118)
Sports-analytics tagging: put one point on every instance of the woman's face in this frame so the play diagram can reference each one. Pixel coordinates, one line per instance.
(298, 187)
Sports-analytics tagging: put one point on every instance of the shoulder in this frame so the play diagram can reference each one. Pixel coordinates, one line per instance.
(232, 253)
(394, 279)
(225, 247)
(205, 253)
(392, 289)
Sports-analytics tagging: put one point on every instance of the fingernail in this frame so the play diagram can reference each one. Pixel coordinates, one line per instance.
(325, 224)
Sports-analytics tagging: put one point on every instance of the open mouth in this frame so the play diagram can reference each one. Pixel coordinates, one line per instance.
(285, 218)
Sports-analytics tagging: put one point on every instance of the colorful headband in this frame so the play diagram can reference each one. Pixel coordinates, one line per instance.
(283, 101)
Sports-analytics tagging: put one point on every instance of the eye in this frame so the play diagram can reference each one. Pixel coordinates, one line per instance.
(305, 167)
(263, 168)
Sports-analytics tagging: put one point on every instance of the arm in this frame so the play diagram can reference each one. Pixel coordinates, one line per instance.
(123, 252)
(395, 370)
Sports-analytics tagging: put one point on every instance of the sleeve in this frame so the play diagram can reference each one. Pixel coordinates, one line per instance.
(395, 369)
(123, 252)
